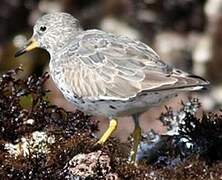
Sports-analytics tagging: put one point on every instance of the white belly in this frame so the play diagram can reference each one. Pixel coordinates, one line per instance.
(110, 108)
(114, 108)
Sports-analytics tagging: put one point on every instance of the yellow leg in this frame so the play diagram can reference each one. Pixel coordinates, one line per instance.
(136, 140)
(112, 127)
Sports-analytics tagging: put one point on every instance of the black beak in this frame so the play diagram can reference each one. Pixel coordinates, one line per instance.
(20, 52)
(32, 44)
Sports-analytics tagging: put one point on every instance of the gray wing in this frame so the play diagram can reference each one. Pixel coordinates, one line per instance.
(105, 66)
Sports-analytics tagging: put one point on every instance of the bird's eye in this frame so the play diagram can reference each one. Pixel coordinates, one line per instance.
(43, 28)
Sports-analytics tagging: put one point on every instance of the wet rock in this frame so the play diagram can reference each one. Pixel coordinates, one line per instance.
(92, 165)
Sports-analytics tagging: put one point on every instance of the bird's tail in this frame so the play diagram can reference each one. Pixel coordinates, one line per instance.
(189, 82)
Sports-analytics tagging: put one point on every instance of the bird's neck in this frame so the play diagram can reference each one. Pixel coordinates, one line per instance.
(58, 43)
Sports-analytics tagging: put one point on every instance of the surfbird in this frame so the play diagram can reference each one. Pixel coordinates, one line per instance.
(105, 74)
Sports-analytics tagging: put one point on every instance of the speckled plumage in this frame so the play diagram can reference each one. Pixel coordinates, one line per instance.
(105, 74)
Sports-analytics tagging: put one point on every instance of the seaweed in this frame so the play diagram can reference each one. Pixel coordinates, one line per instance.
(39, 140)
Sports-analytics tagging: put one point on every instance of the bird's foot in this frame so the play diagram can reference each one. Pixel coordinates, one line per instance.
(136, 139)
(112, 127)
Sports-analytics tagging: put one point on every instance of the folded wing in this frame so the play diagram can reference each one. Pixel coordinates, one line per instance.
(106, 66)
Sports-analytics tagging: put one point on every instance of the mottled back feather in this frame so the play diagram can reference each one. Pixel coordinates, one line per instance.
(100, 65)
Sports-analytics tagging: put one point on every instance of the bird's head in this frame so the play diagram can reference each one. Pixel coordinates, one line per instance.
(51, 32)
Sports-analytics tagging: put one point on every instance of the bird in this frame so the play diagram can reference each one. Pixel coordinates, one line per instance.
(103, 74)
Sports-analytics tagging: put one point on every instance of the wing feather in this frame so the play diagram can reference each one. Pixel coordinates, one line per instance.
(116, 67)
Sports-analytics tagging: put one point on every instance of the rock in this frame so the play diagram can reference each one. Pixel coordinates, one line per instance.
(91, 165)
